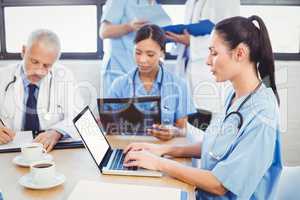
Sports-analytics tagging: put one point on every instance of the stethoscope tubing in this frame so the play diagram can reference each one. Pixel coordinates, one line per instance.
(241, 120)
(15, 79)
(134, 77)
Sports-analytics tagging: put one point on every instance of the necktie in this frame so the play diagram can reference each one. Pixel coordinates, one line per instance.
(31, 116)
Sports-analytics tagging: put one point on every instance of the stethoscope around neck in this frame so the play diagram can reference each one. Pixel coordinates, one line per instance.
(237, 114)
(136, 73)
(13, 81)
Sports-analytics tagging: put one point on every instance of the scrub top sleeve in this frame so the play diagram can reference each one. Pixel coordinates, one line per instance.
(114, 91)
(114, 11)
(242, 171)
(185, 103)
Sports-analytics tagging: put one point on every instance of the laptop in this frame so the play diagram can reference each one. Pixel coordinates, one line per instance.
(129, 116)
(108, 160)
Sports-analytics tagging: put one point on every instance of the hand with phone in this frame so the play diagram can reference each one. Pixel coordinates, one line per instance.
(164, 132)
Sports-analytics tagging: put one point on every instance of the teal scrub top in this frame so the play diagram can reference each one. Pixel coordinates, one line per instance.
(250, 158)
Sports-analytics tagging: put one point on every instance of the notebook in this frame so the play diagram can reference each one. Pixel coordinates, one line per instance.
(93, 190)
(24, 137)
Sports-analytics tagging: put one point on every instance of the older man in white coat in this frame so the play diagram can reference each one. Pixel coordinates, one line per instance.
(37, 94)
(195, 48)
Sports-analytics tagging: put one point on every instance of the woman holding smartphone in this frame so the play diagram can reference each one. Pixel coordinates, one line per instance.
(150, 78)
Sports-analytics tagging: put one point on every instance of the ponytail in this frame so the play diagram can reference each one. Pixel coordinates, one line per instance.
(236, 30)
(266, 65)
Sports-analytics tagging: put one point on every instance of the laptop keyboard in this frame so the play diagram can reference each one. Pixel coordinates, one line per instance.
(117, 163)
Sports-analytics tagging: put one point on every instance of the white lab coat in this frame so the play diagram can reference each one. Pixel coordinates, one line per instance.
(198, 74)
(56, 114)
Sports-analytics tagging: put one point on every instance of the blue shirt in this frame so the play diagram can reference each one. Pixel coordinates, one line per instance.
(176, 101)
(250, 165)
(118, 52)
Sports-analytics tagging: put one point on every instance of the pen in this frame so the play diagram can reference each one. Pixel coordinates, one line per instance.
(2, 122)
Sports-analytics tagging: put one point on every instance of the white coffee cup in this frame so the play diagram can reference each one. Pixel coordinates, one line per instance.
(43, 172)
(33, 152)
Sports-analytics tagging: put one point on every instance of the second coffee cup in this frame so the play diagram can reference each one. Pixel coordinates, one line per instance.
(43, 172)
(33, 152)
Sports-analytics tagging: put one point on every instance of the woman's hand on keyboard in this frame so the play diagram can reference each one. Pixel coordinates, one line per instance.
(157, 149)
(143, 159)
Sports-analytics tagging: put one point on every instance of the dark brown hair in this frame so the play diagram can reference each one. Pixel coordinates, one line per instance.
(151, 31)
(238, 30)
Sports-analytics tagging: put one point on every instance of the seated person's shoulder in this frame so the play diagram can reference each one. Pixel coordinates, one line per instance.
(122, 81)
(265, 104)
(7, 73)
(119, 86)
(8, 69)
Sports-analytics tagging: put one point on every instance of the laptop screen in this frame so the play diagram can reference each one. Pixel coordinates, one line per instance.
(92, 135)
(130, 116)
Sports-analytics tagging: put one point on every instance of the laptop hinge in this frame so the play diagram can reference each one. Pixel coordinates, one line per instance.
(106, 158)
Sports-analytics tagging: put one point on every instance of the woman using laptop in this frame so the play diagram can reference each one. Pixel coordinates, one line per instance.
(240, 152)
(150, 78)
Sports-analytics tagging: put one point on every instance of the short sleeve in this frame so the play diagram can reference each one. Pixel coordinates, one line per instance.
(114, 91)
(244, 168)
(120, 87)
(185, 103)
(114, 11)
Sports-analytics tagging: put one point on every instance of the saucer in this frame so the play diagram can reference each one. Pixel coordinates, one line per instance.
(19, 160)
(27, 181)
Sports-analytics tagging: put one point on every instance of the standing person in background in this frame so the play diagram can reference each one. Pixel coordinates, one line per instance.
(191, 50)
(120, 21)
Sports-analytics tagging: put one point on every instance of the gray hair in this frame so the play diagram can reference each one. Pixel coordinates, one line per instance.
(47, 37)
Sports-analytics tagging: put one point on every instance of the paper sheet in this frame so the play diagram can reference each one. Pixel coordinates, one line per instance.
(92, 190)
(22, 137)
